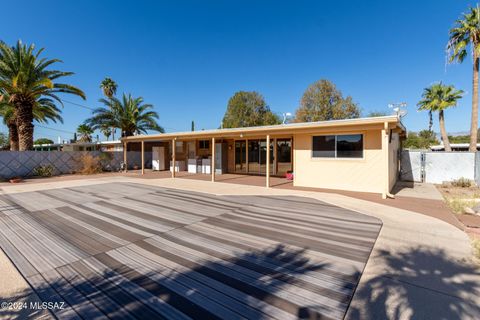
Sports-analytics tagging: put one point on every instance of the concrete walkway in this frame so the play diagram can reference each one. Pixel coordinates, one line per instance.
(417, 190)
(420, 267)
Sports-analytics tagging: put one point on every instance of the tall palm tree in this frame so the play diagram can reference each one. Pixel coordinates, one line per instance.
(44, 111)
(437, 98)
(466, 32)
(25, 78)
(128, 114)
(85, 132)
(109, 87)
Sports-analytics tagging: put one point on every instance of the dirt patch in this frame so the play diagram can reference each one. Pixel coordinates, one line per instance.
(465, 203)
(461, 200)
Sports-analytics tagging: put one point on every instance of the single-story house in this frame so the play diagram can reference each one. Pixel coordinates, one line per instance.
(354, 154)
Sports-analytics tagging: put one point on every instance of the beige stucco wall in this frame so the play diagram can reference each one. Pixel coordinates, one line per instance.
(365, 174)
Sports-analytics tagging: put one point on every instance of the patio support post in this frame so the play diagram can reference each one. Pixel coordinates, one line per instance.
(386, 193)
(125, 155)
(246, 155)
(143, 157)
(275, 164)
(174, 147)
(212, 164)
(267, 176)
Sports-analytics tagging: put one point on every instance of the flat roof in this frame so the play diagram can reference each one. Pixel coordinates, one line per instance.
(453, 145)
(279, 128)
(78, 143)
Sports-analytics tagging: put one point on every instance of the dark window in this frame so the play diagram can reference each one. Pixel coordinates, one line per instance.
(204, 144)
(350, 146)
(323, 147)
(339, 146)
(284, 150)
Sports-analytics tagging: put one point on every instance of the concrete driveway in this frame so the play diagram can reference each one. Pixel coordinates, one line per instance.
(420, 267)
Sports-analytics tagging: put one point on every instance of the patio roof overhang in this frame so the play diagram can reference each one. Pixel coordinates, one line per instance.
(393, 123)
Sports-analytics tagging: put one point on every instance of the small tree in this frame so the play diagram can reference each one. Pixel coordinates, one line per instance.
(323, 101)
(248, 109)
(421, 140)
(43, 141)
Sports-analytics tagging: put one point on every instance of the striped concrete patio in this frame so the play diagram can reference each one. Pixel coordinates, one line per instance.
(127, 250)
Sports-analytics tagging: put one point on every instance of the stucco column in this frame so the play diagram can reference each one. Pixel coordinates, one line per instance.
(125, 155)
(275, 163)
(143, 157)
(292, 158)
(212, 163)
(246, 155)
(174, 147)
(385, 160)
(267, 171)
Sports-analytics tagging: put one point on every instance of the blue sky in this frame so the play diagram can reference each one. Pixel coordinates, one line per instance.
(187, 58)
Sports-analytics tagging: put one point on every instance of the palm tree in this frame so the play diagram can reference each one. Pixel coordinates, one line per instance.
(43, 111)
(128, 114)
(466, 32)
(106, 131)
(85, 132)
(25, 78)
(109, 87)
(437, 98)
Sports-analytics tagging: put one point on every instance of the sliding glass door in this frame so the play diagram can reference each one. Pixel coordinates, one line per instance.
(240, 156)
(257, 156)
(284, 156)
(280, 161)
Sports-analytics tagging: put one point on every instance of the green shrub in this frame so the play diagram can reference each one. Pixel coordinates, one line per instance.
(462, 183)
(44, 171)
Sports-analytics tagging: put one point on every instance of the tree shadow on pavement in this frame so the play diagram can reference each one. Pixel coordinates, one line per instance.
(138, 280)
(419, 284)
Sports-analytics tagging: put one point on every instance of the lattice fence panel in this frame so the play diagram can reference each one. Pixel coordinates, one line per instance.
(23, 163)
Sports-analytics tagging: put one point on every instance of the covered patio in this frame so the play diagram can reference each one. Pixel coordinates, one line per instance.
(232, 157)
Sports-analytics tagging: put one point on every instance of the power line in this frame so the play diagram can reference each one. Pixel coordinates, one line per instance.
(54, 129)
(77, 104)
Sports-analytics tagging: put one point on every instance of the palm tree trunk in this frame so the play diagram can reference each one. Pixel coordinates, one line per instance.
(441, 120)
(24, 116)
(474, 124)
(430, 120)
(13, 135)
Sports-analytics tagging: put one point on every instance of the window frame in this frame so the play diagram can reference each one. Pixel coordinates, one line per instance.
(316, 158)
